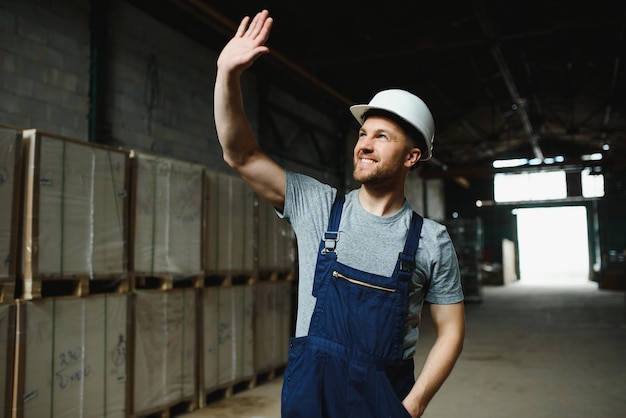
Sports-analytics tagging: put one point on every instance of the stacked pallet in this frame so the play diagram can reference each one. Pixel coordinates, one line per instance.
(133, 285)
(7, 356)
(273, 324)
(166, 269)
(71, 357)
(277, 252)
(273, 321)
(69, 353)
(228, 295)
(230, 236)
(228, 338)
(75, 224)
(166, 218)
(10, 210)
(163, 351)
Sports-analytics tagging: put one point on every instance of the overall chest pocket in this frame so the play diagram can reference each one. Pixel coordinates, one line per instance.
(362, 311)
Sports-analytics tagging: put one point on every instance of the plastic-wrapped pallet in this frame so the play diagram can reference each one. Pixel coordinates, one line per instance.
(166, 217)
(276, 242)
(229, 243)
(10, 151)
(7, 340)
(228, 336)
(75, 197)
(164, 346)
(272, 324)
(72, 357)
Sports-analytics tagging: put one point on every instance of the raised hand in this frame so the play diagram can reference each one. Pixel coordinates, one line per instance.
(247, 45)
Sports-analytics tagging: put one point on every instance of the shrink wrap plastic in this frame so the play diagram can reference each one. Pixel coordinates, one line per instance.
(230, 219)
(276, 241)
(74, 357)
(9, 154)
(165, 348)
(75, 208)
(228, 335)
(168, 197)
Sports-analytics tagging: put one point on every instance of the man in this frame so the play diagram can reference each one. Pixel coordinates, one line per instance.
(367, 262)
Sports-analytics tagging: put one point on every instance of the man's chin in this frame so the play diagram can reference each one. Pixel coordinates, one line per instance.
(365, 178)
(359, 176)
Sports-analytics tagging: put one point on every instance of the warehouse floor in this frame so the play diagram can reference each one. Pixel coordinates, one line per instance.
(541, 351)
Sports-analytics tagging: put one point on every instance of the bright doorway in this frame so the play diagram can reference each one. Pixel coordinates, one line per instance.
(553, 245)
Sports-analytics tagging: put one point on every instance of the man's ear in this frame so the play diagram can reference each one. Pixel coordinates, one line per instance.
(413, 157)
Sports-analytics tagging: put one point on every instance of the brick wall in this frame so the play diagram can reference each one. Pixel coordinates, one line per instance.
(156, 94)
(159, 83)
(161, 91)
(44, 59)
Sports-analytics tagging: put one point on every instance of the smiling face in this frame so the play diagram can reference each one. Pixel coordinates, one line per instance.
(383, 152)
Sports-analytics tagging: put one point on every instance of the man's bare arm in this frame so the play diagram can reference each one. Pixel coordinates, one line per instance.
(240, 148)
(450, 326)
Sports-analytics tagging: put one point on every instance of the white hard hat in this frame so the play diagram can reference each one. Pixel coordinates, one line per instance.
(408, 107)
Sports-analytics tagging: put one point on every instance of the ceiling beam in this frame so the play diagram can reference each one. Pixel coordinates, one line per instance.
(509, 82)
(614, 78)
(202, 11)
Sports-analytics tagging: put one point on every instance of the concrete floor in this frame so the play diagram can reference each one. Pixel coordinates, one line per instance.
(536, 351)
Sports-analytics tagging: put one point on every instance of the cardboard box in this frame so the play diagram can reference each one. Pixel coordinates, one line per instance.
(276, 245)
(75, 206)
(7, 356)
(10, 208)
(167, 223)
(72, 357)
(230, 235)
(228, 339)
(272, 325)
(164, 349)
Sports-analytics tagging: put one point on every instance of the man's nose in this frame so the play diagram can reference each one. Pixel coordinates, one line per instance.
(365, 143)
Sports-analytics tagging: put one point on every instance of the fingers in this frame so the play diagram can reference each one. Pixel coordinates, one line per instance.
(242, 26)
(259, 27)
(248, 43)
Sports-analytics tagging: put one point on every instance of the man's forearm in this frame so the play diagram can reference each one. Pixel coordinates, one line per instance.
(450, 325)
(437, 367)
(233, 129)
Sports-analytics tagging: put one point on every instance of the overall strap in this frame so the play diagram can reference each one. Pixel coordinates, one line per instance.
(407, 257)
(332, 231)
(328, 244)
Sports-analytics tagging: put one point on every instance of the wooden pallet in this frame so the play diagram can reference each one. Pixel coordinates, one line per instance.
(229, 280)
(139, 281)
(78, 285)
(7, 292)
(273, 276)
(183, 407)
(227, 391)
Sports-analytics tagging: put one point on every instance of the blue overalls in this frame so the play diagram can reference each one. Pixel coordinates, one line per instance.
(350, 364)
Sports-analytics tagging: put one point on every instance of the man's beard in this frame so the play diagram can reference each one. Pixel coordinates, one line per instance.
(381, 173)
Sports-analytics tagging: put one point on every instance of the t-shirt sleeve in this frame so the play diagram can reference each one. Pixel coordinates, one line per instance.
(307, 202)
(445, 276)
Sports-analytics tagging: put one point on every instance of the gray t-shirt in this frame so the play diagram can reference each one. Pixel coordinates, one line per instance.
(370, 243)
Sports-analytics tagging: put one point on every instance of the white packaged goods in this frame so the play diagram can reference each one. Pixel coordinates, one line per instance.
(167, 216)
(165, 348)
(230, 225)
(75, 208)
(272, 324)
(73, 357)
(228, 335)
(276, 241)
(10, 145)
(7, 339)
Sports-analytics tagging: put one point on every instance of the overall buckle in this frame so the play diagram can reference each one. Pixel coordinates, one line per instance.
(330, 241)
